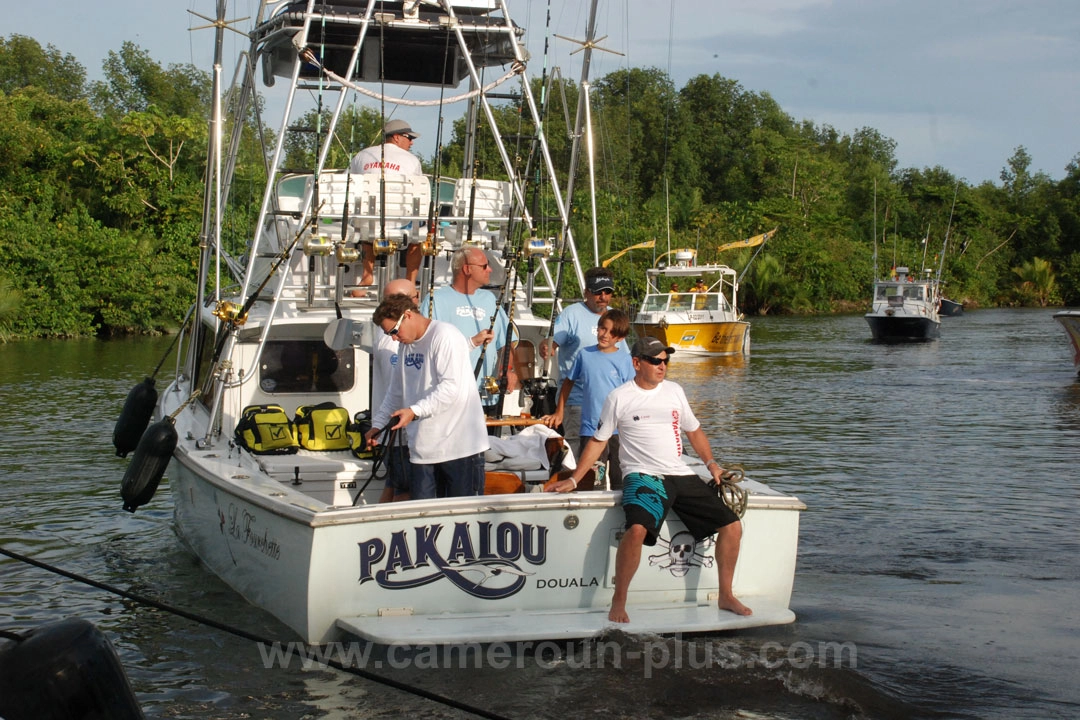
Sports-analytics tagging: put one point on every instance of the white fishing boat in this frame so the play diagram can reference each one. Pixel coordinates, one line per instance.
(1070, 320)
(302, 535)
(905, 308)
(694, 308)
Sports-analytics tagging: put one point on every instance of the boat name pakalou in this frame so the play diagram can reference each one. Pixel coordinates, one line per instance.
(477, 559)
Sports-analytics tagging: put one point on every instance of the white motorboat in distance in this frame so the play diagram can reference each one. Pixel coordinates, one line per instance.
(302, 535)
(905, 308)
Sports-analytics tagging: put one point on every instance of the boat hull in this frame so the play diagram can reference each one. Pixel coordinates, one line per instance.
(903, 329)
(950, 308)
(700, 338)
(502, 568)
(1070, 321)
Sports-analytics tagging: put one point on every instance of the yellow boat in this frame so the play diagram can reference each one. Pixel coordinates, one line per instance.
(693, 308)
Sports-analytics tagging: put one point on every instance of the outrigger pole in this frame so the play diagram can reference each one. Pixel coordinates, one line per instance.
(583, 118)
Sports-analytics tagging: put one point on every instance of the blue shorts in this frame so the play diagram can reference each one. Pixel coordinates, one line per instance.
(648, 498)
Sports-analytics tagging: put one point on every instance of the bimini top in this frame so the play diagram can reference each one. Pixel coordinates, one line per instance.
(416, 41)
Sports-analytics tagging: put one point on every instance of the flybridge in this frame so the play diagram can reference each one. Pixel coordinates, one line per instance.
(400, 42)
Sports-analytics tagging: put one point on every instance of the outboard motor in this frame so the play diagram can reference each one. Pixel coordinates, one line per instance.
(66, 670)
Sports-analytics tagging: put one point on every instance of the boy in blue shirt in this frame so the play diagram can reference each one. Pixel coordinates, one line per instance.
(598, 370)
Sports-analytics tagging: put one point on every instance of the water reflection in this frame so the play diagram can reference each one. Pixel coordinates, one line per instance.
(939, 537)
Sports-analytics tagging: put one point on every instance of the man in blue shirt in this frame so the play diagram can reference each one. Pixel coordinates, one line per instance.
(575, 329)
(466, 305)
(597, 371)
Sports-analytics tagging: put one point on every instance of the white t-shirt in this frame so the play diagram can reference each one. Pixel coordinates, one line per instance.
(650, 425)
(398, 160)
(434, 379)
(384, 360)
(383, 350)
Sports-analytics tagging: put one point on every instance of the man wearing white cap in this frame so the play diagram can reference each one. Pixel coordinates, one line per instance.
(391, 156)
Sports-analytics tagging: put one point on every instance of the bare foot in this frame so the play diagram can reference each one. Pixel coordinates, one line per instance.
(367, 280)
(732, 604)
(618, 614)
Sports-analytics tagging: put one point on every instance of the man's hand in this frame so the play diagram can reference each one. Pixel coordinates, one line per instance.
(404, 416)
(553, 420)
(547, 347)
(482, 338)
(562, 486)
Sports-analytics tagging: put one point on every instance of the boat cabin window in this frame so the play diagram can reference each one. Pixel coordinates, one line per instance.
(914, 292)
(297, 366)
(681, 301)
(654, 303)
(712, 301)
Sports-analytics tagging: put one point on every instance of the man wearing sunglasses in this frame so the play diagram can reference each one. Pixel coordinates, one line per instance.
(466, 305)
(651, 413)
(393, 155)
(574, 329)
(432, 396)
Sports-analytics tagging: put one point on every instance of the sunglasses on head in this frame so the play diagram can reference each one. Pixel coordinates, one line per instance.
(397, 326)
(655, 360)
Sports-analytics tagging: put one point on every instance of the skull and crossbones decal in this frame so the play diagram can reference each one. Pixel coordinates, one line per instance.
(682, 554)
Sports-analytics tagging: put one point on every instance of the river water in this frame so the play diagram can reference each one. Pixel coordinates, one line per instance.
(939, 561)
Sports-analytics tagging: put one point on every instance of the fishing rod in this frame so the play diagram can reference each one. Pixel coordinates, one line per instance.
(503, 376)
(948, 228)
(429, 249)
(234, 317)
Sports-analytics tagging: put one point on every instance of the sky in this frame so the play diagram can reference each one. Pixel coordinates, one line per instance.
(956, 83)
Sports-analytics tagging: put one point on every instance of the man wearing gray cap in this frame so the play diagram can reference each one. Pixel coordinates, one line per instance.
(391, 156)
(650, 414)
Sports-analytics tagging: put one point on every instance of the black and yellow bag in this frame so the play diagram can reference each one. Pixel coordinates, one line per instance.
(322, 427)
(266, 430)
(359, 427)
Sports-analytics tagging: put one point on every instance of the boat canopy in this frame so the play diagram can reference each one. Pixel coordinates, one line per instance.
(416, 41)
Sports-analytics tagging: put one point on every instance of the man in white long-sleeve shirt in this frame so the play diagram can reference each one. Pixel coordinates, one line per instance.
(433, 396)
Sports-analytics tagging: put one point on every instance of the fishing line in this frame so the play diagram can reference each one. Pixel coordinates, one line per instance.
(202, 620)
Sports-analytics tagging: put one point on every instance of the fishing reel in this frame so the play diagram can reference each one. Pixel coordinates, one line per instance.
(384, 246)
(543, 393)
(539, 248)
(428, 247)
(346, 254)
(230, 312)
(318, 246)
(489, 385)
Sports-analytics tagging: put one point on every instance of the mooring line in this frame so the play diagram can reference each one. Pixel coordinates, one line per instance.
(359, 672)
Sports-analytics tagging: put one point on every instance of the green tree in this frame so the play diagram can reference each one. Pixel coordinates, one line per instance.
(24, 63)
(134, 82)
(1037, 284)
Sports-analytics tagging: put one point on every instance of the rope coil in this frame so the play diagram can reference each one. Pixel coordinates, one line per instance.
(729, 491)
